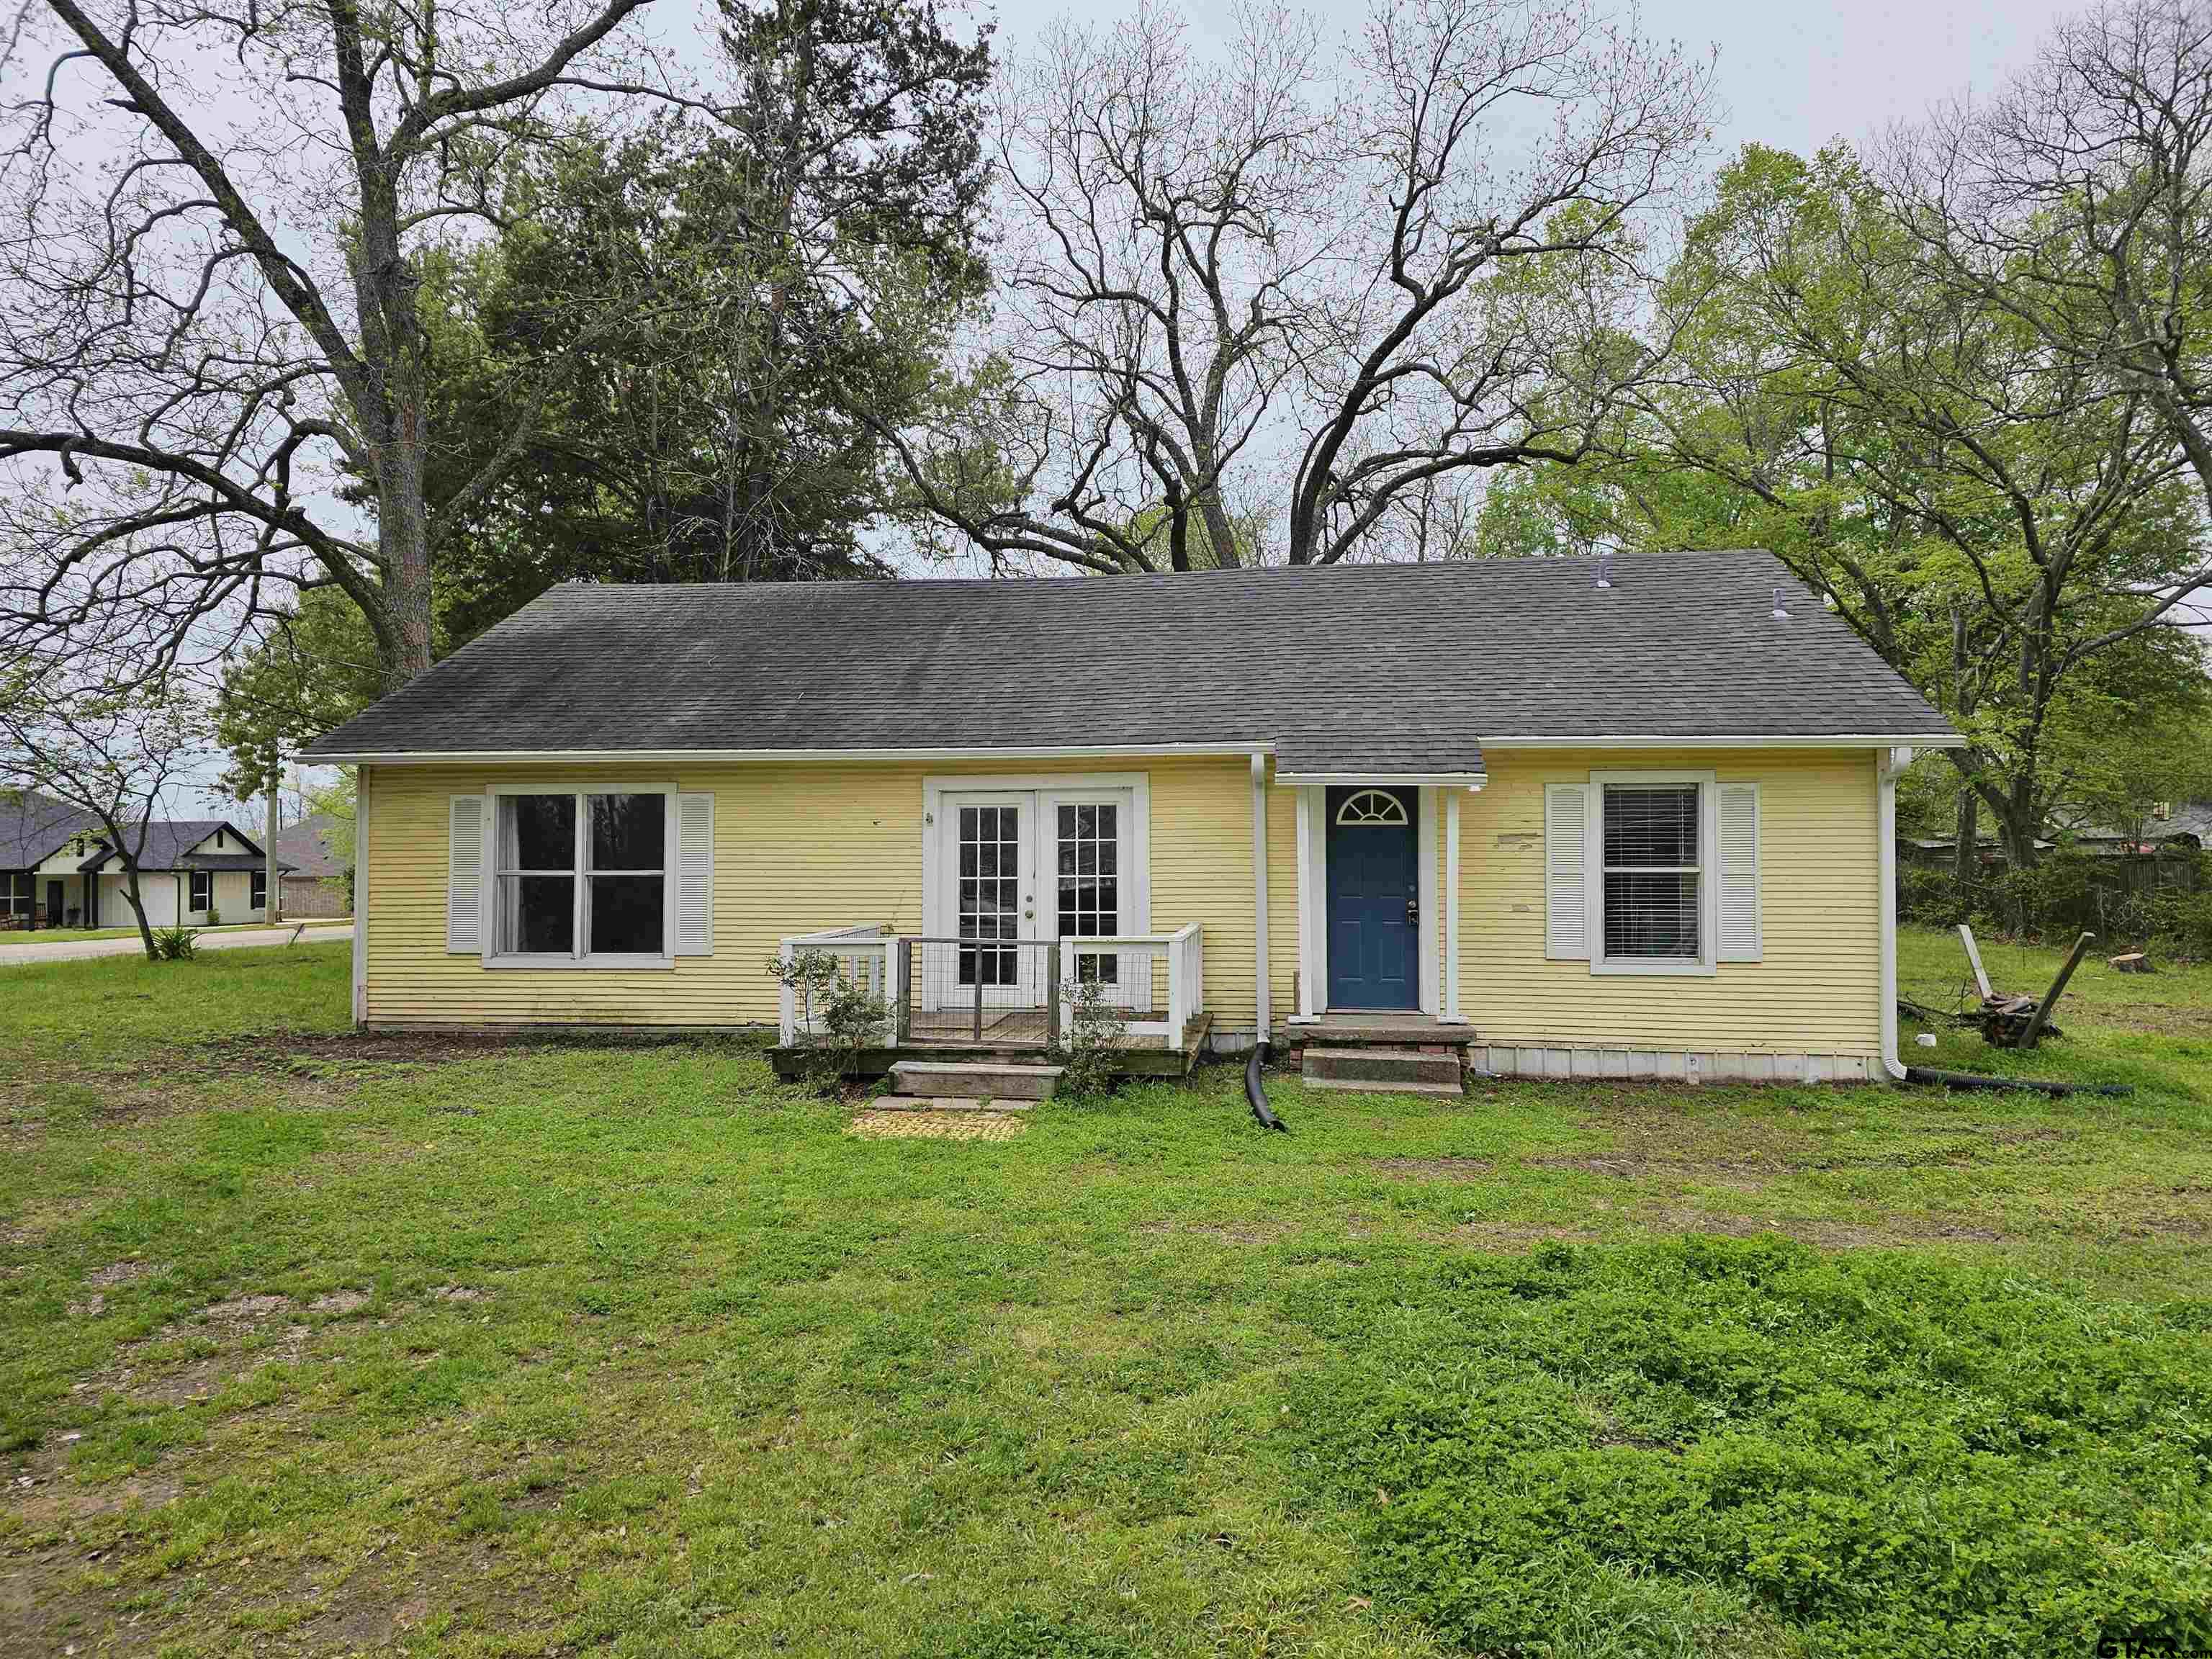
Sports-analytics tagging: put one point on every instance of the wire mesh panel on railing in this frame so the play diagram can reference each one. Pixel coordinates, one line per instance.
(995, 991)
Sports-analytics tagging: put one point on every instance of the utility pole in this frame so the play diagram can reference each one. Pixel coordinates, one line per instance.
(272, 908)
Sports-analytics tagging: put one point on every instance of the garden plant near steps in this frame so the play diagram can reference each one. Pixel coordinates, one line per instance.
(1094, 1028)
(838, 1018)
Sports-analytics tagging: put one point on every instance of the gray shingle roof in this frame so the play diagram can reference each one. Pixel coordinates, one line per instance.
(34, 826)
(167, 839)
(1369, 667)
(306, 850)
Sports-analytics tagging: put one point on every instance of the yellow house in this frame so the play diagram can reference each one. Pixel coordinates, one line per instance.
(1630, 816)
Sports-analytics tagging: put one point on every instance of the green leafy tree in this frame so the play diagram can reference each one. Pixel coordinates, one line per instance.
(786, 281)
(2001, 523)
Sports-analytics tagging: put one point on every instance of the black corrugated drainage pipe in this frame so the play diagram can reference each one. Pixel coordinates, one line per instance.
(2041, 1085)
(1256, 1091)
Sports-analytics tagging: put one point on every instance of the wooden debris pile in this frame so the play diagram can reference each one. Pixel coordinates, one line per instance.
(2010, 1021)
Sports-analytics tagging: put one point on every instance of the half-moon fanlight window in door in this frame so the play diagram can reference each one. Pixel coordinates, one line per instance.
(1372, 806)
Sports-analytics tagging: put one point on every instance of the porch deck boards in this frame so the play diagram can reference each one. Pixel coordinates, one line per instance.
(1133, 1056)
(1004, 1027)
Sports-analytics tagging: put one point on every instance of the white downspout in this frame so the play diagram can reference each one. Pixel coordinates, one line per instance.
(1260, 892)
(1887, 764)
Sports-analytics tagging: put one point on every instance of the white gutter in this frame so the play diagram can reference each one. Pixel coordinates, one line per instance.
(1470, 780)
(716, 757)
(1051, 752)
(1887, 764)
(1811, 740)
(1259, 891)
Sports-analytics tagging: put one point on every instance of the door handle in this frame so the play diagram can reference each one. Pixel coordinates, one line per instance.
(1412, 912)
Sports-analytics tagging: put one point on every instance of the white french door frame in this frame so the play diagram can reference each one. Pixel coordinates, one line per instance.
(1027, 984)
(1039, 796)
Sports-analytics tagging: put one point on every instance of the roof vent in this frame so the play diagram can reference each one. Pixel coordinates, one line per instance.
(1781, 611)
(1604, 570)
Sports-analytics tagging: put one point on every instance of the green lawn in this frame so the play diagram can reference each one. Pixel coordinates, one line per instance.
(315, 1344)
(64, 935)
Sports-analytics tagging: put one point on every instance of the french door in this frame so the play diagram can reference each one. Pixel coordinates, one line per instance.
(1040, 866)
(992, 888)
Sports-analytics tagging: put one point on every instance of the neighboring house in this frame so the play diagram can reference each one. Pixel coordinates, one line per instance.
(1634, 817)
(192, 872)
(33, 827)
(315, 883)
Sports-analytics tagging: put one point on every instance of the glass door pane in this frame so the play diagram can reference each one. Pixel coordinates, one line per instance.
(988, 893)
(1087, 861)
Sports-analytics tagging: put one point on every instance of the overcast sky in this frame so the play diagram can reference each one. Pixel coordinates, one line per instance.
(1792, 73)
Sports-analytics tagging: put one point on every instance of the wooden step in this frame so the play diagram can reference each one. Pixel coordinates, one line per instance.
(1381, 1066)
(944, 1103)
(973, 1079)
(1357, 1086)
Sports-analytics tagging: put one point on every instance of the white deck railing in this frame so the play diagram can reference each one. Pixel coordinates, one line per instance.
(1158, 981)
(863, 956)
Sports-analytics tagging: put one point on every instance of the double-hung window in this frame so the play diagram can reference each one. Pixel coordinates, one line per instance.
(1653, 891)
(581, 877)
(258, 898)
(202, 890)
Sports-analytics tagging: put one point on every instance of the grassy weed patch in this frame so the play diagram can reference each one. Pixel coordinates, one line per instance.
(1887, 1456)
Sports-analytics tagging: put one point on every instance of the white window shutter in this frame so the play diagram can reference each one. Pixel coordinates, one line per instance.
(464, 843)
(1566, 880)
(1739, 939)
(695, 875)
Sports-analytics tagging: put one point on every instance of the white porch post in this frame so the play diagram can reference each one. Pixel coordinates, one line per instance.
(1260, 893)
(1451, 1014)
(1309, 958)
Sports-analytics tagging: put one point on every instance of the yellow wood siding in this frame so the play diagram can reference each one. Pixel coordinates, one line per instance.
(1816, 989)
(798, 848)
(802, 848)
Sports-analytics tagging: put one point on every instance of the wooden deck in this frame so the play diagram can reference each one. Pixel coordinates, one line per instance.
(1005, 1039)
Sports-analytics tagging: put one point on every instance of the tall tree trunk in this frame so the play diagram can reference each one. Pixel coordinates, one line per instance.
(1966, 855)
(137, 907)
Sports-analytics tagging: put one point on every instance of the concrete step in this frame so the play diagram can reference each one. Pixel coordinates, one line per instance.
(944, 1103)
(1356, 1087)
(976, 1079)
(1378, 1065)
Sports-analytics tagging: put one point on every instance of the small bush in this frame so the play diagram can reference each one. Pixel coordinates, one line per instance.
(838, 1017)
(1094, 1028)
(174, 945)
(1885, 1456)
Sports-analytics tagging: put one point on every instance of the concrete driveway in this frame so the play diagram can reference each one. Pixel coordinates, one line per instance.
(224, 941)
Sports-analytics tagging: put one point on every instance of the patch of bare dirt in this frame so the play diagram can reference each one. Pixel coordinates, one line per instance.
(339, 1304)
(1821, 1232)
(2164, 1018)
(1436, 1168)
(31, 1225)
(1517, 1238)
(1234, 1234)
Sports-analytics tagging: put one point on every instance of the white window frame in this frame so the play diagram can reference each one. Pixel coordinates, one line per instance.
(1705, 965)
(579, 873)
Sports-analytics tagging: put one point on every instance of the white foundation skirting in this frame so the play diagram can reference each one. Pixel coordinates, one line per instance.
(1670, 1065)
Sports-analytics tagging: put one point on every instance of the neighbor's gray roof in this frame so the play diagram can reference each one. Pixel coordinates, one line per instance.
(166, 839)
(32, 826)
(305, 849)
(1366, 668)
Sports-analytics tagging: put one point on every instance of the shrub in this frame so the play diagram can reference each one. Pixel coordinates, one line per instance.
(1884, 1455)
(174, 945)
(1093, 1028)
(838, 1017)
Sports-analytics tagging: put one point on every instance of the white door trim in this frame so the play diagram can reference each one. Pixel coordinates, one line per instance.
(940, 908)
(1313, 896)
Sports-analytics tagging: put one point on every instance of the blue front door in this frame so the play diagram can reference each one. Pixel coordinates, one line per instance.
(1374, 924)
